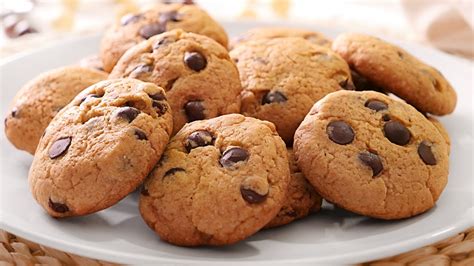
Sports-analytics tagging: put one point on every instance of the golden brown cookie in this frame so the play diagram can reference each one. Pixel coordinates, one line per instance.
(282, 78)
(395, 70)
(134, 28)
(100, 147)
(301, 198)
(220, 181)
(37, 102)
(267, 33)
(200, 79)
(372, 155)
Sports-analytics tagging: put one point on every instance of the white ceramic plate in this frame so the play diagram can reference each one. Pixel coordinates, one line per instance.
(118, 234)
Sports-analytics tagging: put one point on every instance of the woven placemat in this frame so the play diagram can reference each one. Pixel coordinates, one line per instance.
(457, 250)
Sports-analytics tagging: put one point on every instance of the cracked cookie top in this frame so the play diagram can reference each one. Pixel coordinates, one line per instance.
(134, 28)
(282, 78)
(200, 79)
(100, 147)
(372, 154)
(219, 181)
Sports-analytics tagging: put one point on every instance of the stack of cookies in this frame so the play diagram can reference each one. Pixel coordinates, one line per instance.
(229, 139)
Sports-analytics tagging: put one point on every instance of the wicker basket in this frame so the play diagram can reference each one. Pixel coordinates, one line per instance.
(457, 251)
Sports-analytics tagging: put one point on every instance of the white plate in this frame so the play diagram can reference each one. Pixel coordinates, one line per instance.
(331, 236)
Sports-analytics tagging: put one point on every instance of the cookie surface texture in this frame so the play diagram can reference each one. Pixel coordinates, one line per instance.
(200, 79)
(220, 181)
(395, 70)
(373, 155)
(100, 147)
(38, 101)
(134, 28)
(282, 79)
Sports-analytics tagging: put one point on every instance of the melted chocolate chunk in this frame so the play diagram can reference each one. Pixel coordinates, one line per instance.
(340, 132)
(59, 147)
(397, 133)
(274, 97)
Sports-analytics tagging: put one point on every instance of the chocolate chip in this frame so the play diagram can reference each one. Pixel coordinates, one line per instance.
(195, 61)
(347, 85)
(373, 161)
(426, 154)
(161, 42)
(140, 134)
(143, 68)
(363, 84)
(340, 132)
(130, 18)
(160, 107)
(59, 147)
(188, 2)
(396, 132)
(251, 196)
(274, 97)
(232, 156)
(144, 192)
(159, 96)
(386, 117)
(14, 112)
(87, 96)
(198, 138)
(150, 30)
(173, 171)
(58, 207)
(194, 110)
(376, 105)
(400, 54)
(128, 113)
(291, 213)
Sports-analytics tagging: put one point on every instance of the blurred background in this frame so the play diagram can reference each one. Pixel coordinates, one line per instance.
(444, 24)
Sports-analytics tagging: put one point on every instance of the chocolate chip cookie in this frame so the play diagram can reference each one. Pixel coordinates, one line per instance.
(395, 70)
(267, 33)
(37, 102)
(100, 147)
(301, 198)
(220, 181)
(282, 78)
(200, 79)
(373, 155)
(134, 28)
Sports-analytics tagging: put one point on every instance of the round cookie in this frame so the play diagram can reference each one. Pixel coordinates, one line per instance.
(267, 33)
(37, 102)
(200, 79)
(396, 71)
(92, 62)
(220, 181)
(282, 78)
(134, 28)
(100, 147)
(301, 199)
(372, 155)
